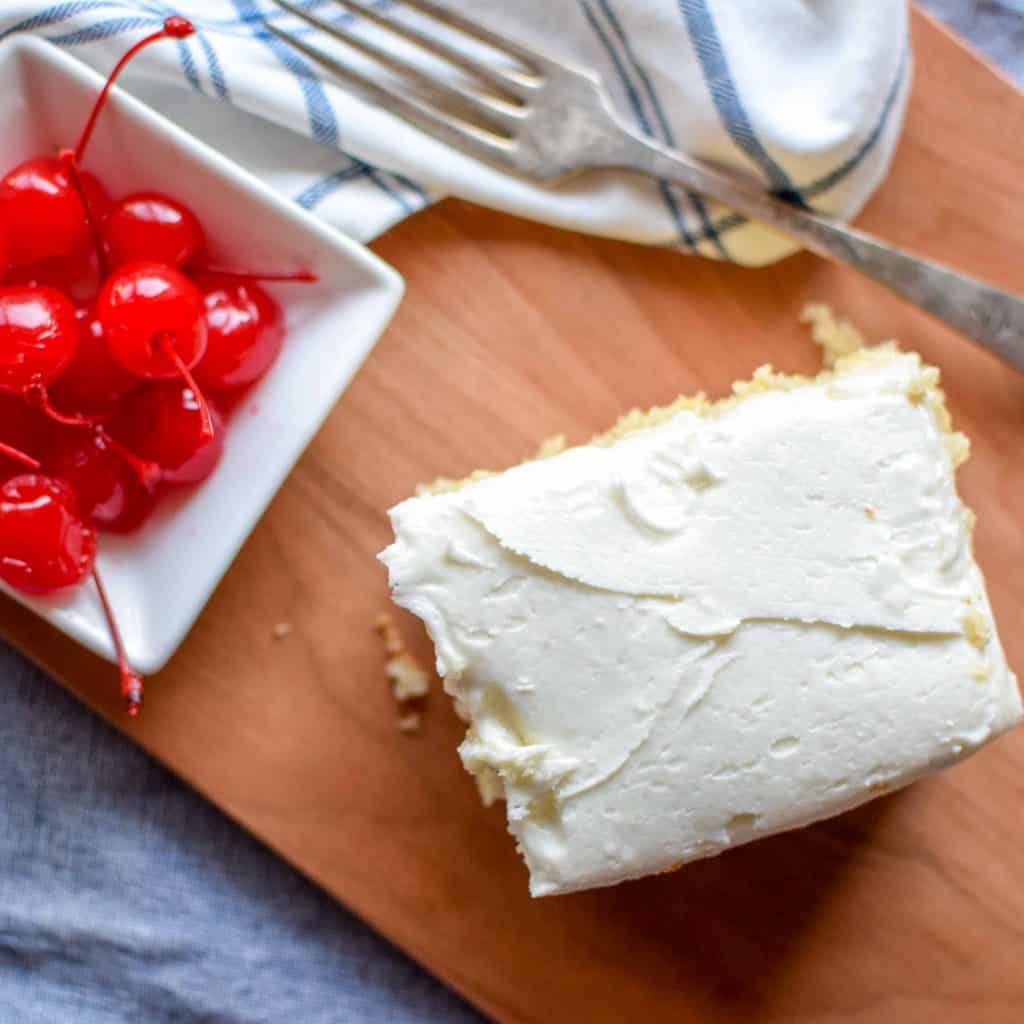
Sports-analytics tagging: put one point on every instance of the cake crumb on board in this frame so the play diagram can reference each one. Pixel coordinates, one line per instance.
(408, 679)
(282, 629)
(410, 722)
(836, 337)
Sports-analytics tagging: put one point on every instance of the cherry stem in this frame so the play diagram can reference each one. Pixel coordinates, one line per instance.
(70, 162)
(304, 276)
(174, 28)
(148, 473)
(18, 456)
(36, 395)
(163, 339)
(131, 681)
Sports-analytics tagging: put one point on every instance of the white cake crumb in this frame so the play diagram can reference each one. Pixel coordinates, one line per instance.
(836, 337)
(410, 722)
(408, 679)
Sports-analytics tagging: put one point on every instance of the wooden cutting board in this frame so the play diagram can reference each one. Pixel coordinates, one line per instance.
(909, 909)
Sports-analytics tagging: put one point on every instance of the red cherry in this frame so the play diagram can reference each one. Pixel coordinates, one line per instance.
(44, 544)
(3, 251)
(163, 423)
(110, 495)
(245, 330)
(23, 432)
(148, 309)
(46, 547)
(44, 213)
(38, 335)
(152, 317)
(93, 382)
(152, 226)
(38, 340)
(77, 276)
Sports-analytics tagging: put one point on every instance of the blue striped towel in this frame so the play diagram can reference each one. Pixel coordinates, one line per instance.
(807, 95)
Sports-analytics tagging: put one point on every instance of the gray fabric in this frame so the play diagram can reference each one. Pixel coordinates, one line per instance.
(995, 27)
(126, 897)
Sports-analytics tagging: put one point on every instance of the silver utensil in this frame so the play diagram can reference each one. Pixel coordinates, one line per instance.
(550, 121)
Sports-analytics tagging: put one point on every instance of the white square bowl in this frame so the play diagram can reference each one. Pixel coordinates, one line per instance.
(160, 578)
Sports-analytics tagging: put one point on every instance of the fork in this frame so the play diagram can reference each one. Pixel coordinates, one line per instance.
(550, 121)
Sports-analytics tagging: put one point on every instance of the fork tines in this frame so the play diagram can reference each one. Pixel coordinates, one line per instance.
(480, 117)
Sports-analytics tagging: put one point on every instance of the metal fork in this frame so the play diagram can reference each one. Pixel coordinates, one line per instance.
(551, 121)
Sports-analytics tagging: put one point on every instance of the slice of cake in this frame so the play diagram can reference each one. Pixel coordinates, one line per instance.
(719, 621)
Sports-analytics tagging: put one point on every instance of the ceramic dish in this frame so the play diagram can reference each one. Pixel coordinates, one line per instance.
(160, 578)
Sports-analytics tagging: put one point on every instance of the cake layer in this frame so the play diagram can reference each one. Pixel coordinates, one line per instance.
(732, 620)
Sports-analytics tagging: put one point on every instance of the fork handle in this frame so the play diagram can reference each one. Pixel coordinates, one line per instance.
(988, 315)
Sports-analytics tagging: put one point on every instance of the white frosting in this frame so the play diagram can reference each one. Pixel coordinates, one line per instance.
(712, 630)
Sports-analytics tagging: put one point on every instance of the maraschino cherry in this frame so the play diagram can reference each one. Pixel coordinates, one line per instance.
(93, 382)
(113, 493)
(77, 276)
(245, 331)
(44, 544)
(152, 316)
(46, 547)
(44, 213)
(38, 340)
(24, 433)
(152, 226)
(163, 423)
(38, 336)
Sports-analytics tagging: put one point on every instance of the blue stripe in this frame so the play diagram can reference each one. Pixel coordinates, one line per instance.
(243, 25)
(421, 196)
(321, 114)
(715, 66)
(104, 30)
(385, 186)
(833, 178)
(641, 115)
(322, 121)
(220, 85)
(414, 197)
(185, 58)
(53, 15)
(188, 65)
(418, 190)
(311, 196)
(829, 181)
(316, 193)
(667, 135)
(631, 94)
(253, 16)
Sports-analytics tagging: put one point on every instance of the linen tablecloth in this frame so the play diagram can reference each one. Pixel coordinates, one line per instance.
(209, 926)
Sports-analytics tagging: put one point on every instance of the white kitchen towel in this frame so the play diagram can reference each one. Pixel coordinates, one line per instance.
(807, 96)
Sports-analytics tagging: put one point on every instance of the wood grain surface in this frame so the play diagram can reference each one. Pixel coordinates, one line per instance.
(910, 909)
